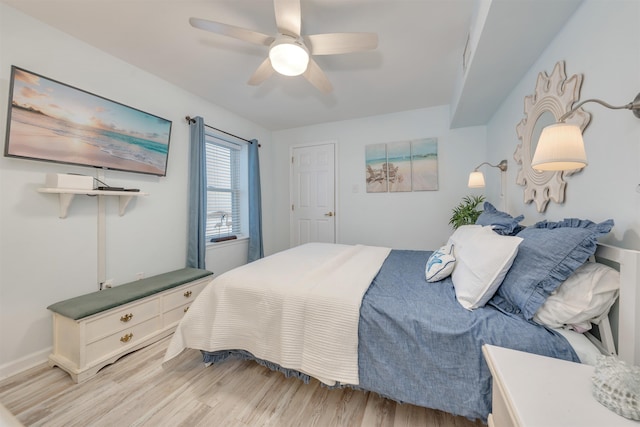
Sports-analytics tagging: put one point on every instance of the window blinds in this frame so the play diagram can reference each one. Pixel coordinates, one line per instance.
(223, 192)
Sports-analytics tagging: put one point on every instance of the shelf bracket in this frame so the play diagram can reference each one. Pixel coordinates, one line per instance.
(124, 202)
(65, 202)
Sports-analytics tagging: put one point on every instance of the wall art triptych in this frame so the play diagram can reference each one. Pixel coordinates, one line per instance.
(402, 166)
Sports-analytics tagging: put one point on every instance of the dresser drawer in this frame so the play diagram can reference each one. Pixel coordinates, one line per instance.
(120, 319)
(172, 317)
(125, 338)
(182, 296)
(500, 414)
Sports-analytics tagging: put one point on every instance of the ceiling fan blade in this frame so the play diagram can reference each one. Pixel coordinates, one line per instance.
(316, 77)
(337, 43)
(232, 31)
(288, 16)
(264, 71)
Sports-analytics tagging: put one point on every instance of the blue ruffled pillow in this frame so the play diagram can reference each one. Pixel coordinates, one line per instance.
(548, 254)
(501, 222)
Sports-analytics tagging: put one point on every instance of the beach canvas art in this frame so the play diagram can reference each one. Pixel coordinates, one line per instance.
(402, 166)
(52, 121)
(376, 167)
(424, 164)
(399, 166)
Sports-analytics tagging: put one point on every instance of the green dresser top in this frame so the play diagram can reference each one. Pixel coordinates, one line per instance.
(96, 302)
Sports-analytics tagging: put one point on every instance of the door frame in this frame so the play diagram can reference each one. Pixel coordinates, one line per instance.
(336, 196)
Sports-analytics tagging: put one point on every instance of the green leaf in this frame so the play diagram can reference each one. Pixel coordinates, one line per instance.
(466, 212)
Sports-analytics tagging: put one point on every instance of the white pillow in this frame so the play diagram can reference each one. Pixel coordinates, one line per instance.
(483, 258)
(440, 264)
(584, 298)
(586, 351)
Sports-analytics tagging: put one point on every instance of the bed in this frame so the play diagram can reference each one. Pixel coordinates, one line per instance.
(366, 317)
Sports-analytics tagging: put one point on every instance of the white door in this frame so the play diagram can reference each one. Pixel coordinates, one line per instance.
(313, 216)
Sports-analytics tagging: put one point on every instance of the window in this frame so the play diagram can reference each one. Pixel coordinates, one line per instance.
(226, 184)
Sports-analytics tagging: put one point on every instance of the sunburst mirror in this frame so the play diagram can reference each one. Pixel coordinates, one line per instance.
(553, 97)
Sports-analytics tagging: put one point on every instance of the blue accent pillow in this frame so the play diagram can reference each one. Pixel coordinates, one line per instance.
(440, 264)
(501, 222)
(548, 254)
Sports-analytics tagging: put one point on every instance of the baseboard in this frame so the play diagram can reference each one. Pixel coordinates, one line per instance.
(27, 362)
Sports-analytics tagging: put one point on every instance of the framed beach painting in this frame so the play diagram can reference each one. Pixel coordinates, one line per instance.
(424, 164)
(398, 166)
(402, 166)
(376, 168)
(52, 121)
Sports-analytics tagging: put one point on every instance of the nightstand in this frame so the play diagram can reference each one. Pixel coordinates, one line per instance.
(537, 391)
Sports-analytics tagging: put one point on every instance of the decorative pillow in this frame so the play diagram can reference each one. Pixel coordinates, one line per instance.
(440, 264)
(482, 260)
(584, 298)
(547, 256)
(501, 222)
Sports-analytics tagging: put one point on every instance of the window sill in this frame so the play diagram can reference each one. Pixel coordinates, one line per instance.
(239, 240)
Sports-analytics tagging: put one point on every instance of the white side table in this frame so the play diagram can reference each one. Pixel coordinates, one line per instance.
(538, 391)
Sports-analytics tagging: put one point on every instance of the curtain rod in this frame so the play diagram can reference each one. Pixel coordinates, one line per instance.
(190, 120)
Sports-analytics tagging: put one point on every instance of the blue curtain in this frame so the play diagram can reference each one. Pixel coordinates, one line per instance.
(256, 250)
(197, 223)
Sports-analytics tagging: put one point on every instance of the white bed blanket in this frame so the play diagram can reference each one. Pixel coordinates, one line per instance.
(298, 308)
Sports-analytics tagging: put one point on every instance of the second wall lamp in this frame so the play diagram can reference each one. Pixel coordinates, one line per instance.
(476, 179)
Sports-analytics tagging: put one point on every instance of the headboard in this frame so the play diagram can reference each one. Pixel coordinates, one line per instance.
(624, 316)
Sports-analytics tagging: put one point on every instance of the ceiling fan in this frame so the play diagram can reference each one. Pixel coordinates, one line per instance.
(290, 53)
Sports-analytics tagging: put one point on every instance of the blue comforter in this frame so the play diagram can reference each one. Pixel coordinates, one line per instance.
(417, 344)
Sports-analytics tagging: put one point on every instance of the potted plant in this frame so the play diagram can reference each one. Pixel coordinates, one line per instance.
(466, 212)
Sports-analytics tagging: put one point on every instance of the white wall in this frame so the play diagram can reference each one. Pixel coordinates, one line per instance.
(44, 259)
(413, 220)
(598, 42)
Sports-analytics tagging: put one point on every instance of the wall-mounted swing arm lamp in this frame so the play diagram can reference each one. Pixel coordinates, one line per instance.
(476, 179)
(561, 146)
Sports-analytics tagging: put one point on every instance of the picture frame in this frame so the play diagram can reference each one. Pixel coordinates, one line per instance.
(424, 164)
(375, 163)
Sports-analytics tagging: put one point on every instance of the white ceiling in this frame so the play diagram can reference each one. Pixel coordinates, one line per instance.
(416, 64)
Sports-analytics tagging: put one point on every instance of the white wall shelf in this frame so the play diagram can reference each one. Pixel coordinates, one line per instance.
(66, 196)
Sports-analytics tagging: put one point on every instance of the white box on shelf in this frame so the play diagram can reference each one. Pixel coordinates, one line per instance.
(64, 180)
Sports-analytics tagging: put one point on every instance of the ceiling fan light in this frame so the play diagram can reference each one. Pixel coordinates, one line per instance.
(289, 58)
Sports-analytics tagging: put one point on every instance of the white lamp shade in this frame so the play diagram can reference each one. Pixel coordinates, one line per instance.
(289, 58)
(560, 148)
(476, 180)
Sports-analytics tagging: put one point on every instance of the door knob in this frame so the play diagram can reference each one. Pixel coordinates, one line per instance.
(329, 214)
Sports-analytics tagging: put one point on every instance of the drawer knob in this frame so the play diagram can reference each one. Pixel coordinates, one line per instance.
(187, 294)
(126, 338)
(126, 317)
(186, 309)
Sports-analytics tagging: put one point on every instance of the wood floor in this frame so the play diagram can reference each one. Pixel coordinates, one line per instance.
(138, 391)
